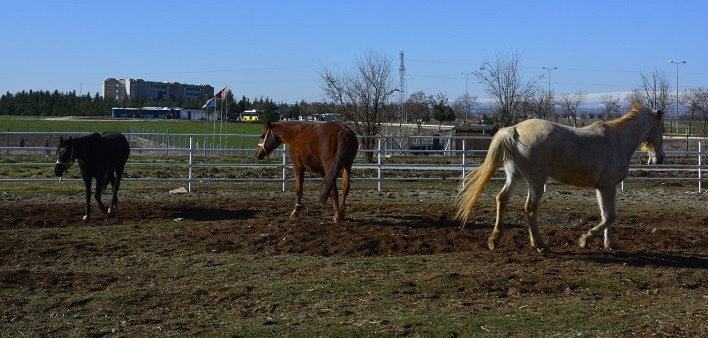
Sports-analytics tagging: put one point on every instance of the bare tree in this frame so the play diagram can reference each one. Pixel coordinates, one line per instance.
(441, 111)
(360, 95)
(540, 104)
(418, 109)
(463, 106)
(611, 107)
(503, 83)
(696, 101)
(654, 91)
(570, 104)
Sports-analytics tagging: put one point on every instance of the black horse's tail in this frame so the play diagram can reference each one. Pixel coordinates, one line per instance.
(330, 179)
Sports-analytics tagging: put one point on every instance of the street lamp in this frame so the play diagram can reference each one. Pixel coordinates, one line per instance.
(677, 92)
(403, 100)
(387, 96)
(467, 95)
(549, 87)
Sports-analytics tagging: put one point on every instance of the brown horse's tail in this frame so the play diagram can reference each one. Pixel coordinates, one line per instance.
(500, 151)
(330, 179)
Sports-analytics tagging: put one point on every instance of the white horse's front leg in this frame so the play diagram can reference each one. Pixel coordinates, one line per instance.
(531, 207)
(610, 243)
(606, 201)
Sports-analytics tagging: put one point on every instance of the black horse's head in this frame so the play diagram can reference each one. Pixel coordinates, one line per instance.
(65, 156)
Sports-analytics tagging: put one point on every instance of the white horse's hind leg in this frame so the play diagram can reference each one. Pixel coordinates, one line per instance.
(532, 202)
(512, 182)
(606, 201)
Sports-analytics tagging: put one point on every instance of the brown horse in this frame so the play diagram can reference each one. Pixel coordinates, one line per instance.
(327, 149)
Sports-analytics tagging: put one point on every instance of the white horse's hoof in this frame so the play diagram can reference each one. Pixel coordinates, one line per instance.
(491, 243)
(583, 241)
(613, 246)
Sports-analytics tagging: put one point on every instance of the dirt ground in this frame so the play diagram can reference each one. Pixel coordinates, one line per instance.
(388, 223)
(661, 228)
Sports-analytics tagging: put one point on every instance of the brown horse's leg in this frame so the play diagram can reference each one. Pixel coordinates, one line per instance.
(512, 182)
(335, 203)
(345, 191)
(531, 207)
(299, 178)
(606, 201)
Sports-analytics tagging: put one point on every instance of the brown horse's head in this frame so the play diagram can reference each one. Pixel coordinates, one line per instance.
(268, 142)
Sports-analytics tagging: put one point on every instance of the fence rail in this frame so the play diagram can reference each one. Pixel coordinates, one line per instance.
(395, 158)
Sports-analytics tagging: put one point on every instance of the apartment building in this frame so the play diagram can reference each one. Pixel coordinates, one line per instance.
(122, 89)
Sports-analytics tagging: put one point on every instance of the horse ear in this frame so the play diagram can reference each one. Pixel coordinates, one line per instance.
(659, 114)
(268, 125)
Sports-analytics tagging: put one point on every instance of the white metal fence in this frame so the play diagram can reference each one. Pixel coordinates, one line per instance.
(394, 158)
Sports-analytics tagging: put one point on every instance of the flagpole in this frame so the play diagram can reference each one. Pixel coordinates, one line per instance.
(221, 117)
(226, 112)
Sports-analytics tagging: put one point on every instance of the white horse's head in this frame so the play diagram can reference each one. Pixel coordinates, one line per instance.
(655, 140)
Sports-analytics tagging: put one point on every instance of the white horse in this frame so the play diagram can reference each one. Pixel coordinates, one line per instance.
(596, 156)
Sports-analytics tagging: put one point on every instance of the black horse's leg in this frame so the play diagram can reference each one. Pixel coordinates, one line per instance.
(107, 180)
(87, 183)
(114, 187)
(99, 191)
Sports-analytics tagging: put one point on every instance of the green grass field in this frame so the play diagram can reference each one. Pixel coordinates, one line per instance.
(36, 124)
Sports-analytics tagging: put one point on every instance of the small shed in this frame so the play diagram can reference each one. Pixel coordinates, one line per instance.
(483, 133)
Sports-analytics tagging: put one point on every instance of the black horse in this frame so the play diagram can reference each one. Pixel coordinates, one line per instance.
(100, 156)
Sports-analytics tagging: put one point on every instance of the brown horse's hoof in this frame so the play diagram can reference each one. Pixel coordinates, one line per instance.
(294, 214)
(338, 217)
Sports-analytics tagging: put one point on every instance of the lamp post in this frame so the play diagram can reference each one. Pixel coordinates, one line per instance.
(404, 102)
(386, 110)
(467, 95)
(677, 92)
(549, 88)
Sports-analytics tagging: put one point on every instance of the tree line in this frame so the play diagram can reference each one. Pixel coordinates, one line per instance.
(46, 103)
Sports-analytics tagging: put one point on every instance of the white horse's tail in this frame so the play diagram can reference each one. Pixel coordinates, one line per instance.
(500, 151)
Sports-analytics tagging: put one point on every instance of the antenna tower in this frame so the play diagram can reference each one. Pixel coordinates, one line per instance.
(402, 84)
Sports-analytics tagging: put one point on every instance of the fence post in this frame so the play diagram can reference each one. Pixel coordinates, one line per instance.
(206, 144)
(464, 161)
(700, 167)
(379, 165)
(284, 167)
(191, 152)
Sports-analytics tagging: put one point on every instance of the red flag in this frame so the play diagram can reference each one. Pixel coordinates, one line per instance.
(221, 93)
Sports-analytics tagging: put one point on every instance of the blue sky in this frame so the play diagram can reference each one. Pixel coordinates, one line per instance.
(277, 49)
